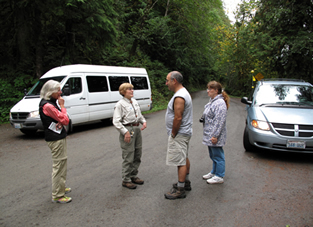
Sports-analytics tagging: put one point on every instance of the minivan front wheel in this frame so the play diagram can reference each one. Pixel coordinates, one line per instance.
(246, 143)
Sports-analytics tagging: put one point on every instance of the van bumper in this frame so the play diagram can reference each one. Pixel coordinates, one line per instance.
(27, 124)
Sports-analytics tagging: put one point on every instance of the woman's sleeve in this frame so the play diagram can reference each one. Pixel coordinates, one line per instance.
(60, 116)
(117, 119)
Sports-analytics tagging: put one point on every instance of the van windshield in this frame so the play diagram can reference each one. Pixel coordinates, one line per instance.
(35, 90)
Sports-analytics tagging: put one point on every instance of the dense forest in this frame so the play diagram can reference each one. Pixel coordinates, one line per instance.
(195, 37)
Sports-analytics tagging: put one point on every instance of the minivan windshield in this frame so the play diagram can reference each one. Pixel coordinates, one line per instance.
(282, 94)
(35, 90)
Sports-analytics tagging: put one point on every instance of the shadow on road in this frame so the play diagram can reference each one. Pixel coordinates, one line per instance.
(290, 157)
(39, 135)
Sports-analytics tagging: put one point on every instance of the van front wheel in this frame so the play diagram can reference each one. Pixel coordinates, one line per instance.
(29, 132)
(69, 127)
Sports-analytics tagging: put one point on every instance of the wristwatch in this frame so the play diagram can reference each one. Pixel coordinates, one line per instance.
(172, 135)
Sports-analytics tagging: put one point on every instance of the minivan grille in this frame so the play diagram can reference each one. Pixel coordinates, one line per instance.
(19, 116)
(292, 130)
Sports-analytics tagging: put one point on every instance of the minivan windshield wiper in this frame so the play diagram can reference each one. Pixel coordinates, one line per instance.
(287, 104)
(270, 104)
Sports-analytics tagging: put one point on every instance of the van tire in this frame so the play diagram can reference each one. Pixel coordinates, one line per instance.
(29, 132)
(69, 127)
(246, 143)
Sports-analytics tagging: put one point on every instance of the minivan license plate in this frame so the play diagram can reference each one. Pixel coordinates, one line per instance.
(296, 144)
(16, 125)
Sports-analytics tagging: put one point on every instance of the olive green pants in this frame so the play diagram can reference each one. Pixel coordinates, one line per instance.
(59, 167)
(131, 154)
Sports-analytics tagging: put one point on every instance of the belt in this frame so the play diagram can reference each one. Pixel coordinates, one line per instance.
(132, 124)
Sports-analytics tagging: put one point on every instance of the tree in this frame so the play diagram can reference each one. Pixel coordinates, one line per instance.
(284, 37)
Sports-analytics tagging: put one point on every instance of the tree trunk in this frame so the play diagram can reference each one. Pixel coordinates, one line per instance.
(38, 43)
(22, 38)
(167, 6)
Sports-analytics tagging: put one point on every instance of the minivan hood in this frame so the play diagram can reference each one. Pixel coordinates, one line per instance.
(288, 115)
(26, 105)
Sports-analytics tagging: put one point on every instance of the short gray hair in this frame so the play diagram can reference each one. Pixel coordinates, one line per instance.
(50, 87)
(178, 76)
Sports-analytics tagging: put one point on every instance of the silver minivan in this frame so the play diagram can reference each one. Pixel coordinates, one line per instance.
(280, 116)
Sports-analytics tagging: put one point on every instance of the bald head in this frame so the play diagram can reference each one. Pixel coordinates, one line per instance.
(177, 75)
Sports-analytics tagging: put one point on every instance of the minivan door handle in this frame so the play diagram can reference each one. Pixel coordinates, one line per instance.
(82, 98)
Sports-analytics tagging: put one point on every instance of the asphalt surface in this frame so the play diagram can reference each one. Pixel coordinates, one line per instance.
(260, 189)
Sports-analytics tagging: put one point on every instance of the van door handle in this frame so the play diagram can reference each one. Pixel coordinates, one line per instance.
(82, 98)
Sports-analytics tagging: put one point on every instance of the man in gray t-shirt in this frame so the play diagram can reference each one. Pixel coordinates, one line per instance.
(178, 120)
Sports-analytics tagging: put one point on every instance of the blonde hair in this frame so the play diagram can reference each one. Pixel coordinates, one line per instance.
(123, 87)
(216, 85)
(50, 87)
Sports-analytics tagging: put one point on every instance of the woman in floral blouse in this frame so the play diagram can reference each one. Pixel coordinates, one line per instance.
(214, 130)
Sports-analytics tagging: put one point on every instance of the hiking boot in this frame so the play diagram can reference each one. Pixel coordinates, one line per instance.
(208, 176)
(137, 180)
(187, 185)
(176, 193)
(129, 185)
(215, 180)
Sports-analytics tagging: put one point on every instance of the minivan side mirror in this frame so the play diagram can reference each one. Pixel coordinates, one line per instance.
(66, 90)
(245, 100)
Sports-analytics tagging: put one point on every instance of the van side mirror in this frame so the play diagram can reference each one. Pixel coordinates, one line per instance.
(245, 100)
(66, 90)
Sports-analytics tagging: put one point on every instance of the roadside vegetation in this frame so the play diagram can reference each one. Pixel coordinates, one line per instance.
(271, 37)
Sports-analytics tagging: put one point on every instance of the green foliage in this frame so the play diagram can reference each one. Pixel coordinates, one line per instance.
(271, 37)
(11, 91)
(285, 37)
(160, 36)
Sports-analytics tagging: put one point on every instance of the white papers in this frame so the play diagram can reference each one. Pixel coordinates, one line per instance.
(53, 127)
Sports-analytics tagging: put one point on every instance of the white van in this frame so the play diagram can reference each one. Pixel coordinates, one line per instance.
(90, 93)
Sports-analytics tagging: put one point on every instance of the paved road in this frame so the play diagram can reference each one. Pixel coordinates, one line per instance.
(260, 189)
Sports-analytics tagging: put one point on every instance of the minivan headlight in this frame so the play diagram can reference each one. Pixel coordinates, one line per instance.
(34, 114)
(263, 125)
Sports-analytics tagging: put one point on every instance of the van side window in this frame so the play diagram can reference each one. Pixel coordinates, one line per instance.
(116, 81)
(139, 82)
(97, 83)
(74, 84)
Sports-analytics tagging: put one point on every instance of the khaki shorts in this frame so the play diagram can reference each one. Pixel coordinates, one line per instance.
(177, 150)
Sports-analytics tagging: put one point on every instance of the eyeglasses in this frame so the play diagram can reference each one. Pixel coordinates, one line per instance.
(130, 89)
(209, 89)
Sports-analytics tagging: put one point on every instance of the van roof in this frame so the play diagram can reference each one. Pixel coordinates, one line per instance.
(82, 68)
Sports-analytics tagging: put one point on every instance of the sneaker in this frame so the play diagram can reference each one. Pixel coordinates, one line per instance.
(129, 185)
(208, 176)
(187, 185)
(137, 180)
(215, 180)
(67, 190)
(63, 199)
(176, 193)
